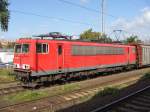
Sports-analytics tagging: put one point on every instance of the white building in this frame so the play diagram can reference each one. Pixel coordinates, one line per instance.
(6, 56)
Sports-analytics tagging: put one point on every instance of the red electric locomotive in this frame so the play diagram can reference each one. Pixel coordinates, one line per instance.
(38, 60)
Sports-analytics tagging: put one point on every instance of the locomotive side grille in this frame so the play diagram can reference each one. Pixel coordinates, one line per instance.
(96, 50)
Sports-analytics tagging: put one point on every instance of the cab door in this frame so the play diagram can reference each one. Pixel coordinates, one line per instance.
(60, 59)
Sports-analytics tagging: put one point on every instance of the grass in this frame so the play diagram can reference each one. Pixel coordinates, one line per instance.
(41, 93)
(25, 96)
(109, 91)
(70, 87)
(6, 75)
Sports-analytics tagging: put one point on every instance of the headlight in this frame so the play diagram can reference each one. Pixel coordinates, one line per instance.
(16, 66)
(25, 66)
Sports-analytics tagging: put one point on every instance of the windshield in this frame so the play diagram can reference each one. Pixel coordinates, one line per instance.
(21, 48)
(18, 48)
(25, 48)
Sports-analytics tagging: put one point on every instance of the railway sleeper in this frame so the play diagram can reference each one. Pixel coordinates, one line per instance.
(140, 103)
(124, 109)
(136, 107)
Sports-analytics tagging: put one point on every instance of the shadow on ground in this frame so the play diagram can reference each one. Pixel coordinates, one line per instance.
(100, 99)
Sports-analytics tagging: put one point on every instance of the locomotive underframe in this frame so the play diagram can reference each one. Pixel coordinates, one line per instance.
(33, 81)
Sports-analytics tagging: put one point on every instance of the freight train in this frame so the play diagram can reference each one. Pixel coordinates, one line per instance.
(37, 60)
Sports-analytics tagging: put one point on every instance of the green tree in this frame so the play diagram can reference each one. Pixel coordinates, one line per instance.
(105, 39)
(89, 34)
(95, 36)
(132, 39)
(4, 15)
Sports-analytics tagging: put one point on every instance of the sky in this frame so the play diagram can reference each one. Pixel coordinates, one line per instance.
(31, 17)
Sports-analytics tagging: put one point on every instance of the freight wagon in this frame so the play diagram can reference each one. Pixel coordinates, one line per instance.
(145, 55)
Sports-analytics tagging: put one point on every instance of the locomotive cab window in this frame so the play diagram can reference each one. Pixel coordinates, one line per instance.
(25, 48)
(18, 48)
(41, 48)
(21, 48)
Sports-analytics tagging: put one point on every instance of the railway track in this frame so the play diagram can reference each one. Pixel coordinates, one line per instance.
(138, 101)
(53, 102)
(7, 82)
(18, 88)
(63, 98)
(10, 90)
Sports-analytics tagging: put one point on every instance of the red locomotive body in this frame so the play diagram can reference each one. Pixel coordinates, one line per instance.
(37, 58)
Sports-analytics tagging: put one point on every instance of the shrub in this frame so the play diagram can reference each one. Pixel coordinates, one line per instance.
(109, 91)
(147, 76)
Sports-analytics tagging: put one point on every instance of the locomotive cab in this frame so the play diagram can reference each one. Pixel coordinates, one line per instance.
(21, 50)
(28, 58)
(23, 59)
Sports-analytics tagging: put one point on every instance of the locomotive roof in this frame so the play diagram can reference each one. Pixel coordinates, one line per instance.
(57, 36)
(21, 40)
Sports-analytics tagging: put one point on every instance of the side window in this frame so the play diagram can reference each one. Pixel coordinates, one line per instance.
(59, 49)
(41, 48)
(44, 48)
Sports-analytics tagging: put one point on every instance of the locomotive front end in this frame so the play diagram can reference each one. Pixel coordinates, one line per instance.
(23, 59)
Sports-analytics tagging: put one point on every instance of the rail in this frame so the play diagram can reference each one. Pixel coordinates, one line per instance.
(113, 104)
